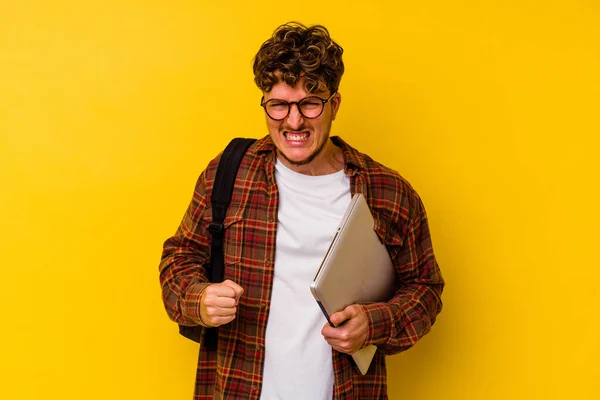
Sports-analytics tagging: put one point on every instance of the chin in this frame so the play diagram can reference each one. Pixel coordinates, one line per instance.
(298, 159)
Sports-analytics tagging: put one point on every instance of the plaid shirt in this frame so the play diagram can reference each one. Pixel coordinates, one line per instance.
(235, 370)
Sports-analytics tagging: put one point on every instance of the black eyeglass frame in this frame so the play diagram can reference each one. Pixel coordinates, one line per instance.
(263, 104)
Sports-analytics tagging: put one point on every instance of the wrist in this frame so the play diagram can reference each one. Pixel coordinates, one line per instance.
(191, 303)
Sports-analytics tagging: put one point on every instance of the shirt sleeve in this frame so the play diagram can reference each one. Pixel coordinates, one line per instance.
(183, 277)
(398, 324)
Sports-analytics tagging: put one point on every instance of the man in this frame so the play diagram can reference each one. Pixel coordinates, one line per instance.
(292, 189)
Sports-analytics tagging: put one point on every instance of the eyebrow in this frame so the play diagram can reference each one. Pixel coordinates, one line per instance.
(310, 95)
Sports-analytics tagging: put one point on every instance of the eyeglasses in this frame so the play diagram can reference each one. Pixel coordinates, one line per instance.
(309, 107)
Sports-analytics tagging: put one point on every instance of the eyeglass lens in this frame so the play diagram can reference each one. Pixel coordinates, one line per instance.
(308, 107)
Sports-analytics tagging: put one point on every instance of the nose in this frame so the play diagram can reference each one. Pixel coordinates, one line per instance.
(295, 119)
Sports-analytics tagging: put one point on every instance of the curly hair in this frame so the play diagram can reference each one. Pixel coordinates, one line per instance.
(296, 51)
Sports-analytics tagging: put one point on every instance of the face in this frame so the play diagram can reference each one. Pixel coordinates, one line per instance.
(301, 141)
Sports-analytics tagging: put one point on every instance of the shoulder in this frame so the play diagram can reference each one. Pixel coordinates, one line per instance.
(389, 194)
(252, 159)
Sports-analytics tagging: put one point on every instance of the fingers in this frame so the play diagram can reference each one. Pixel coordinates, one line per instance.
(219, 302)
(340, 339)
(226, 289)
(345, 348)
(212, 315)
(237, 289)
(335, 335)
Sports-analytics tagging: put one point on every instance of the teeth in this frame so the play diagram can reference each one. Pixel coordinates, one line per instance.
(296, 137)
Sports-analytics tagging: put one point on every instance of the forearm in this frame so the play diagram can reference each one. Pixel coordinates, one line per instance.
(398, 324)
(183, 280)
(183, 277)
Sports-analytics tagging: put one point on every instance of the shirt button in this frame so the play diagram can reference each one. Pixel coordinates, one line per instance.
(263, 305)
(254, 387)
(270, 220)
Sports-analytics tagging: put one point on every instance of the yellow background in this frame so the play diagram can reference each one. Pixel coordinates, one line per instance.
(109, 110)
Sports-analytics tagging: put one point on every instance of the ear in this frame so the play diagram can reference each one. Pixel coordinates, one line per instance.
(335, 105)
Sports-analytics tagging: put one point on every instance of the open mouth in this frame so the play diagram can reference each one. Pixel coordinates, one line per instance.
(296, 136)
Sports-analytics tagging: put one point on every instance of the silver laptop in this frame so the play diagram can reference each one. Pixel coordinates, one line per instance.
(356, 269)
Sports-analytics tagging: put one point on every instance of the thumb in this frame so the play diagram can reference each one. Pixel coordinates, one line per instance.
(339, 317)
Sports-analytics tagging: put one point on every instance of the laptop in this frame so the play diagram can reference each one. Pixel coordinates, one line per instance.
(357, 268)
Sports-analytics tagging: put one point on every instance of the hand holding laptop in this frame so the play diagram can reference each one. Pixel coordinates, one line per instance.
(350, 332)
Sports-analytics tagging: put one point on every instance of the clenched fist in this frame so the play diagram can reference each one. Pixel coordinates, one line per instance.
(218, 303)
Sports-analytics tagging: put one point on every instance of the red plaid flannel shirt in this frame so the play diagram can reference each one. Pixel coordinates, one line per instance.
(234, 371)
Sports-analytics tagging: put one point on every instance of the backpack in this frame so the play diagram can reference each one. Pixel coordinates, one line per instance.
(219, 199)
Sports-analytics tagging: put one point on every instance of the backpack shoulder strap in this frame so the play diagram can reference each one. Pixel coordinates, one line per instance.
(220, 199)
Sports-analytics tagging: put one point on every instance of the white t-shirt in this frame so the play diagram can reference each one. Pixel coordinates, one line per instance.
(298, 361)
